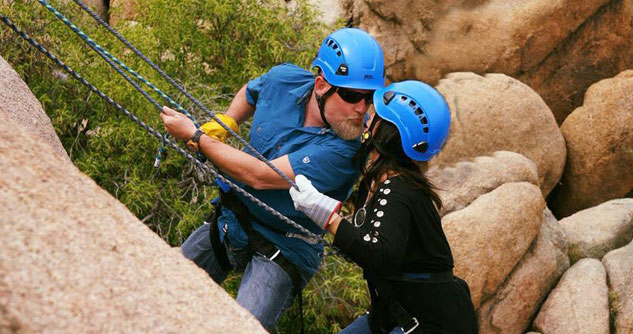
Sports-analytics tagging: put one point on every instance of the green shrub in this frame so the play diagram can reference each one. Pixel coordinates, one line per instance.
(212, 47)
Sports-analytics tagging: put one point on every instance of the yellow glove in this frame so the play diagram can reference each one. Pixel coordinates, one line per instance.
(215, 130)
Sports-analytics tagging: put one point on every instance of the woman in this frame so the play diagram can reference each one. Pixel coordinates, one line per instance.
(396, 234)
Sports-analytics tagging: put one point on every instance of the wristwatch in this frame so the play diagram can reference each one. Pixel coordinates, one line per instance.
(193, 144)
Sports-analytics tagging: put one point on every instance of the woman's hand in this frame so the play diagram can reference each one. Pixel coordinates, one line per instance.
(177, 124)
(318, 207)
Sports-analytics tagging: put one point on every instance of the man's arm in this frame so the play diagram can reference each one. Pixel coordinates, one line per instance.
(245, 167)
(239, 109)
(233, 162)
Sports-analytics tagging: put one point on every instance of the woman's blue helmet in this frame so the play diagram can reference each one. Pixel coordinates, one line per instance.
(419, 112)
(351, 58)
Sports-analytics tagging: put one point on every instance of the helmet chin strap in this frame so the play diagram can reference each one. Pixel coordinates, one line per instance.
(366, 142)
(321, 102)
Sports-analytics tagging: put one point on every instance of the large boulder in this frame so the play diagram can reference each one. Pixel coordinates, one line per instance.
(498, 113)
(74, 260)
(19, 104)
(515, 303)
(596, 231)
(619, 265)
(557, 47)
(491, 235)
(462, 183)
(599, 138)
(579, 304)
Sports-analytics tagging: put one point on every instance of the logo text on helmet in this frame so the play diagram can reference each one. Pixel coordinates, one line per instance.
(368, 77)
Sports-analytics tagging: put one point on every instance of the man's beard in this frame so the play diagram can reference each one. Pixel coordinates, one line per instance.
(348, 130)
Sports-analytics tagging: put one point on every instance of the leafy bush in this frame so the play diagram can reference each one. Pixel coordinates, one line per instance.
(212, 47)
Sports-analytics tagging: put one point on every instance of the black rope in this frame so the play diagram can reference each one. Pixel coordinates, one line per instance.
(153, 132)
(184, 91)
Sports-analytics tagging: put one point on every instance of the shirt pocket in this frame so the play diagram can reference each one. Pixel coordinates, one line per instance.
(262, 134)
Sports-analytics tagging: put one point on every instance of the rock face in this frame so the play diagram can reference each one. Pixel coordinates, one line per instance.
(328, 11)
(579, 304)
(619, 265)
(75, 260)
(492, 234)
(599, 138)
(514, 304)
(596, 231)
(497, 113)
(19, 104)
(559, 48)
(462, 183)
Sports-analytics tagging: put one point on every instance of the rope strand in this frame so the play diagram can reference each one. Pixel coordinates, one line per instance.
(155, 133)
(184, 91)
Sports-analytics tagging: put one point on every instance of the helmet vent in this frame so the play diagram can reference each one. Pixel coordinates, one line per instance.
(424, 120)
(388, 96)
(426, 129)
(334, 46)
(412, 104)
(421, 146)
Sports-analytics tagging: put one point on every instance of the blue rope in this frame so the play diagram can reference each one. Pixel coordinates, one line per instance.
(185, 92)
(155, 133)
(107, 54)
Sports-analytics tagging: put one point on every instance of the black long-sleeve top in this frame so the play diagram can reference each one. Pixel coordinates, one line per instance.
(402, 232)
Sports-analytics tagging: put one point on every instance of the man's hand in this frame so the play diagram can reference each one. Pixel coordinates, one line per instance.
(214, 130)
(318, 207)
(177, 124)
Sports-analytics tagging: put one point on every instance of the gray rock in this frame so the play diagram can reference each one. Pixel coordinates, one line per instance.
(498, 113)
(559, 48)
(599, 137)
(462, 183)
(19, 104)
(619, 265)
(75, 260)
(595, 231)
(515, 303)
(579, 304)
(491, 235)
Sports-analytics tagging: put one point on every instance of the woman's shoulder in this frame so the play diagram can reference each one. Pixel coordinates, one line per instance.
(399, 189)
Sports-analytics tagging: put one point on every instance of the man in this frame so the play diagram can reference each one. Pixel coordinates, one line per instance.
(304, 124)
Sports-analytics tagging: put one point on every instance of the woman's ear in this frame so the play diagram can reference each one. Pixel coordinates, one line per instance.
(320, 85)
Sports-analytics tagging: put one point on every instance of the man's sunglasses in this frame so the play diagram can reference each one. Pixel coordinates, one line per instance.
(351, 96)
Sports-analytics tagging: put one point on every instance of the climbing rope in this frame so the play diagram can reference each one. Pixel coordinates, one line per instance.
(155, 133)
(166, 77)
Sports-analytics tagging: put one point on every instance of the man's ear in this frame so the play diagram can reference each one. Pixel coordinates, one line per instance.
(320, 85)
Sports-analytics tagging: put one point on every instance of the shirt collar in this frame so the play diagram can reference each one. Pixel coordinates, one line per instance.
(303, 92)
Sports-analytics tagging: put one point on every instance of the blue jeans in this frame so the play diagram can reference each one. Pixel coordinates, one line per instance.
(361, 326)
(266, 289)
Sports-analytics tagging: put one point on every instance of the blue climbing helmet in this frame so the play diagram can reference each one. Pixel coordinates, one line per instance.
(419, 112)
(351, 58)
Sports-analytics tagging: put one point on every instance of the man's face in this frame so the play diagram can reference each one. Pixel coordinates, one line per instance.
(345, 117)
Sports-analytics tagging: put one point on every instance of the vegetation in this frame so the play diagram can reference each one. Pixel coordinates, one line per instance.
(212, 47)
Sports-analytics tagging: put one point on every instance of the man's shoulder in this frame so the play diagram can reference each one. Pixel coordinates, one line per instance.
(290, 71)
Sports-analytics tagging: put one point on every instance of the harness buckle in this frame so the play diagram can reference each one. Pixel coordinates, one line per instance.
(415, 325)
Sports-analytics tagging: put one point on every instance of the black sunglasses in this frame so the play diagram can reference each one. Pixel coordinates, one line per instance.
(351, 96)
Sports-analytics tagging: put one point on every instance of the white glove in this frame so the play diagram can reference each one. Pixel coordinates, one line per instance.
(318, 207)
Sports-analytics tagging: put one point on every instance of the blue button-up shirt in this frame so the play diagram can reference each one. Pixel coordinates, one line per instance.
(280, 97)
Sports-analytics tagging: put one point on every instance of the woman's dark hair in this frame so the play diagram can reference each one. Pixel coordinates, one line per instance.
(386, 140)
